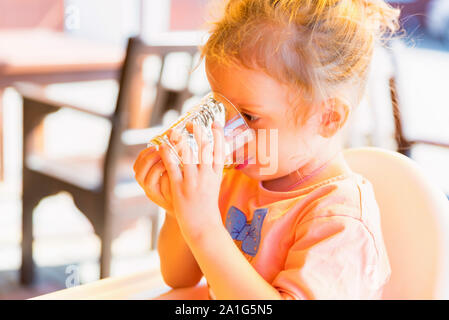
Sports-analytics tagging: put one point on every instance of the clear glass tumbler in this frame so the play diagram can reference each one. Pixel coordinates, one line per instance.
(212, 107)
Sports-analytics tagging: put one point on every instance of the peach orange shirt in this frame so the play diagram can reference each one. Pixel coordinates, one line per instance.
(320, 242)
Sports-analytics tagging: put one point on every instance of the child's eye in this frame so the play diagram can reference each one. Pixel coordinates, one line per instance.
(249, 117)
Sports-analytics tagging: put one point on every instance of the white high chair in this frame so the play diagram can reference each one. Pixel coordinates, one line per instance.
(415, 225)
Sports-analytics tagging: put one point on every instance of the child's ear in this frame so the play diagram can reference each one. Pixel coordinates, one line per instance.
(334, 116)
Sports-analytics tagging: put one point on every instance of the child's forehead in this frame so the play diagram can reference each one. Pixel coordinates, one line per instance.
(237, 75)
(213, 66)
(238, 82)
(243, 78)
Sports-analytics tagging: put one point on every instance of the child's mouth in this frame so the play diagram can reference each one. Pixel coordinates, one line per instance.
(242, 165)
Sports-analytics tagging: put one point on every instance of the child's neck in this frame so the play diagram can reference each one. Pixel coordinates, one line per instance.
(310, 174)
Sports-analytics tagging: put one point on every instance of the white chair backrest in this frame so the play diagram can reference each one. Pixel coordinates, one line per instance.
(415, 223)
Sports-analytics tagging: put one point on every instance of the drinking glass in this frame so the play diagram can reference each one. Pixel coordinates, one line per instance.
(212, 107)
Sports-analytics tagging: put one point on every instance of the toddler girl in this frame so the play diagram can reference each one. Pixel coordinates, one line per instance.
(294, 222)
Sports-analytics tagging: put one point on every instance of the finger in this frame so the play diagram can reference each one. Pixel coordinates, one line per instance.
(145, 164)
(201, 138)
(153, 176)
(165, 187)
(189, 166)
(219, 146)
(207, 155)
(152, 184)
(191, 130)
(172, 166)
(182, 146)
(174, 136)
(141, 155)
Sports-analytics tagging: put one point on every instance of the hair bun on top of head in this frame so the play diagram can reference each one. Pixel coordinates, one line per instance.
(375, 15)
(382, 17)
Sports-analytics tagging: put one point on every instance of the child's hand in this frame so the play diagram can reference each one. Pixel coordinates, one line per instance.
(195, 189)
(151, 175)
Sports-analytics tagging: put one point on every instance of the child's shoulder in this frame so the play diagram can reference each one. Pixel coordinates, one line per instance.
(350, 195)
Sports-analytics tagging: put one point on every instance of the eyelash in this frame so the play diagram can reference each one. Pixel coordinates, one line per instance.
(250, 117)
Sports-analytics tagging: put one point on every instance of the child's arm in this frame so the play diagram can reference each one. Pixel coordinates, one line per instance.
(227, 271)
(195, 192)
(178, 266)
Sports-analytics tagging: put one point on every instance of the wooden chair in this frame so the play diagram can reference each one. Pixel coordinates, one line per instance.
(93, 183)
(404, 143)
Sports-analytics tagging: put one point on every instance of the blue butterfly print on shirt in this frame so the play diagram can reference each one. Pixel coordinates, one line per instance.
(240, 230)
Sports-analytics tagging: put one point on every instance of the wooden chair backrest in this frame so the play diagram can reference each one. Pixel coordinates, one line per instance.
(165, 99)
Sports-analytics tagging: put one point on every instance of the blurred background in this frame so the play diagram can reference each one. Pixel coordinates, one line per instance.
(78, 101)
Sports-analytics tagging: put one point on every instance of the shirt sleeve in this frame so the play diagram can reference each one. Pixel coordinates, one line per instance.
(333, 257)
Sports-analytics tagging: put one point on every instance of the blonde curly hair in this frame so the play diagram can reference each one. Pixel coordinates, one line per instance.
(320, 48)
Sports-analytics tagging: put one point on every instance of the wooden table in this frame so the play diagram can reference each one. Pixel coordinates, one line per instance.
(44, 56)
